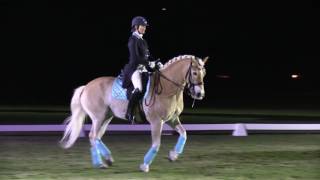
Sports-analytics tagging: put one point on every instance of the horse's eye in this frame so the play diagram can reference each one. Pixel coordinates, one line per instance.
(194, 73)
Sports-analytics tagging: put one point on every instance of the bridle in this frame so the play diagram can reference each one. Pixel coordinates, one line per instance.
(189, 83)
(158, 86)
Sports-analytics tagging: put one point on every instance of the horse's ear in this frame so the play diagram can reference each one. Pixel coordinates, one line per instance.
(205, 59)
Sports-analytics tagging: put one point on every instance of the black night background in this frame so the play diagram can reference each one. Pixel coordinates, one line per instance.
(255, 48)
(259, 118)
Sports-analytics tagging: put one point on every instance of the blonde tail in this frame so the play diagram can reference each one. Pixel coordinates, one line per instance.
(74, 122)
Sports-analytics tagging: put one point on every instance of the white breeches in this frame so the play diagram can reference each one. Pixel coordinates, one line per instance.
(136, 80)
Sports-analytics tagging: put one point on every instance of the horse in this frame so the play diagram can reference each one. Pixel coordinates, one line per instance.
(95, 100)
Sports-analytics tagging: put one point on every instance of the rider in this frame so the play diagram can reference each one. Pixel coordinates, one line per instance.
(139, 62)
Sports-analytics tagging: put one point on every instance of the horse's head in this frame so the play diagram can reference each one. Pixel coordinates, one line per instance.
(196, 74)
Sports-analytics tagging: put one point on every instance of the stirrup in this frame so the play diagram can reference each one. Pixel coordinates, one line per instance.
(132, 120)
(130, 117)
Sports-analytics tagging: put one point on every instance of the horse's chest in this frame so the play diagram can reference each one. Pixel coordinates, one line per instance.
(173, 112)
(174, 109)
(175, 115)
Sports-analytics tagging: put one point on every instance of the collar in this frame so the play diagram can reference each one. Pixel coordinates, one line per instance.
(138, 35)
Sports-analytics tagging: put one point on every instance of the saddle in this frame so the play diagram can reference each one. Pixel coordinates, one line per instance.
(120, 93)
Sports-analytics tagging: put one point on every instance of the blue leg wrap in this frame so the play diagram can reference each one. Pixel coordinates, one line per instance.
(96, 157)
(150, 155)
(180, 144)
(103, 149)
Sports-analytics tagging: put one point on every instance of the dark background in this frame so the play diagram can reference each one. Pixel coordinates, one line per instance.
(51, 47)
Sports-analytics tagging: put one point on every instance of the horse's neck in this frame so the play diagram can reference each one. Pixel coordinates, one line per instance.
(177, 73)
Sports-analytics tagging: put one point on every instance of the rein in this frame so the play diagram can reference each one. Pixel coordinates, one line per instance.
(176, 84)
(157, 84)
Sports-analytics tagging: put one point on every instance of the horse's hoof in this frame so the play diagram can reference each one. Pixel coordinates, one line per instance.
(101, 166)
(173, 156)
(144, 168)
(109, 161)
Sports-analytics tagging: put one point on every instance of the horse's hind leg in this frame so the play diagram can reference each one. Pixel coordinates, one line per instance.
(178, 149)
(104, 150)
(97, 115)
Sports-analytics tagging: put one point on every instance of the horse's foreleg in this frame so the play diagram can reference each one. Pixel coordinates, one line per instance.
(178, 149)
(156, 129)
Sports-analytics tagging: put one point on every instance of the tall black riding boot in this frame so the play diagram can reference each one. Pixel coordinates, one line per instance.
(132, 102)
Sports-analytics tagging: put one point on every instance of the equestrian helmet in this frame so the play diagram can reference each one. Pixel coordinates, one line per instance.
(139, 21)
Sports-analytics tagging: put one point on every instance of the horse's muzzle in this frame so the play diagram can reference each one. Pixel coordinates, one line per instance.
(197, 92)
(199, 96)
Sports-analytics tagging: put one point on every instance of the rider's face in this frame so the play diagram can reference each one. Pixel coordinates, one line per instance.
(142, 29)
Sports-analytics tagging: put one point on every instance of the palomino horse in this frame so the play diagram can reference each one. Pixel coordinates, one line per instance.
(95, 100)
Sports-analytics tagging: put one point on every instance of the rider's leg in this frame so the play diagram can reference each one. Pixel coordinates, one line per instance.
(136, 80)
(135, 96)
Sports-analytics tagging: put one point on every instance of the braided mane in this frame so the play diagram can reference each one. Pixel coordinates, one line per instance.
(177, 59)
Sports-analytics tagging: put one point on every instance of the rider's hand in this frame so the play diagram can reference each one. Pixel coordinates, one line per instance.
(159, 65)
(141, 68)
(152, 64)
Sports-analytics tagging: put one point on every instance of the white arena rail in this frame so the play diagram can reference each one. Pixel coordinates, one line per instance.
(239, 129)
